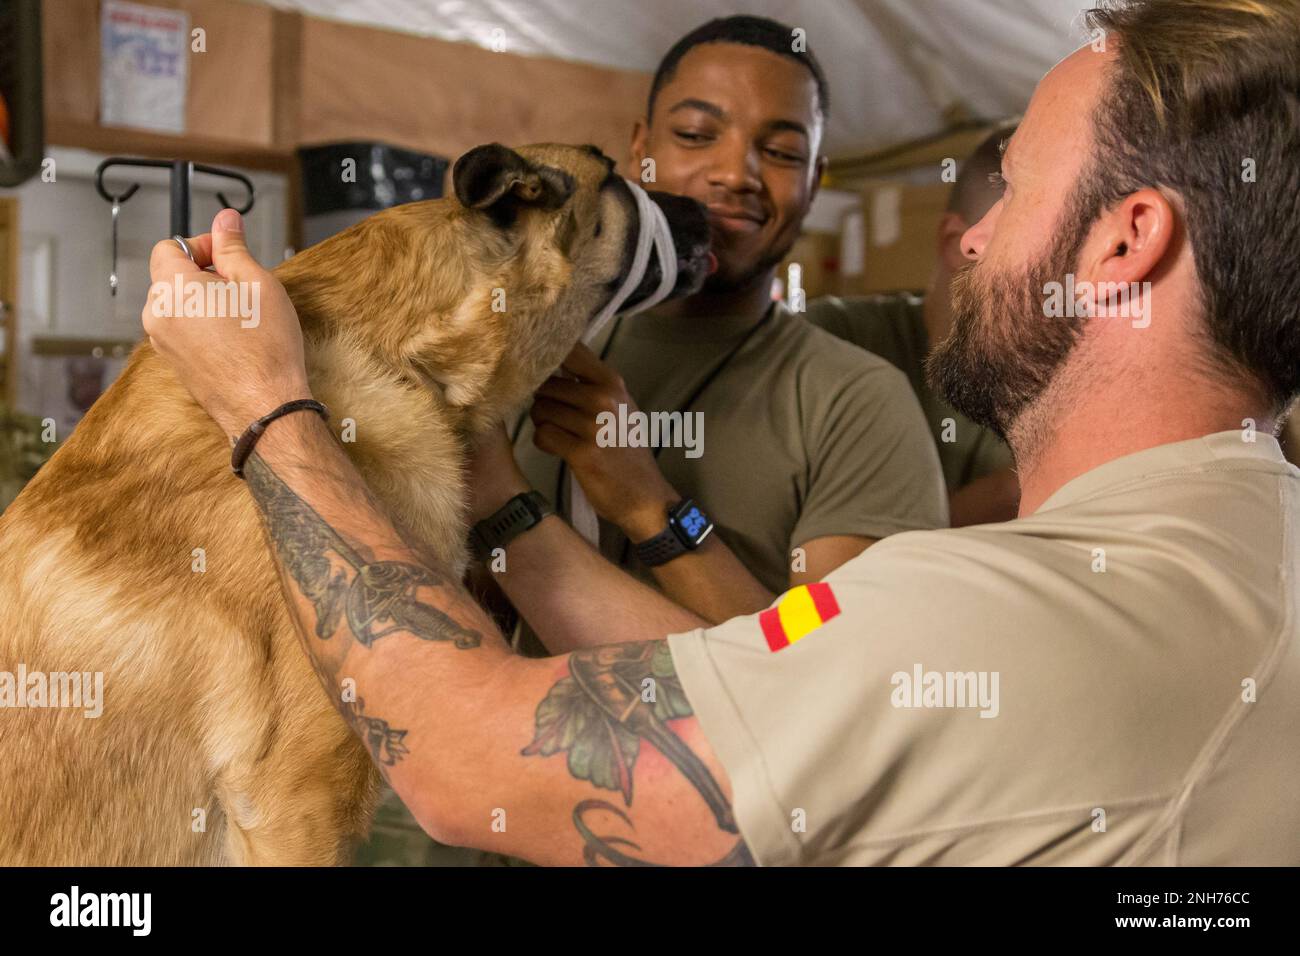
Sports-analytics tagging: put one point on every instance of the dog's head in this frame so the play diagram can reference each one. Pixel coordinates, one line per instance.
(565, 225)
(571, 198)
(483, 295)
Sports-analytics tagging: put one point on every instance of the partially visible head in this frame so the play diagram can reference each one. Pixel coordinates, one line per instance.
(977, 188)
(1185, 178)
(979, 178)
(735, 120)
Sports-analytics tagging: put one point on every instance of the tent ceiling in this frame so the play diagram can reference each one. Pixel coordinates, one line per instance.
(894, 66)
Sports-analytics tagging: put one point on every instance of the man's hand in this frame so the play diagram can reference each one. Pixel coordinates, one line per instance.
(494, 475)
(238, 366)
(624, 485)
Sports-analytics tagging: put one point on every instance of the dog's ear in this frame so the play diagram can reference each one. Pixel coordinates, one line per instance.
(497, 179)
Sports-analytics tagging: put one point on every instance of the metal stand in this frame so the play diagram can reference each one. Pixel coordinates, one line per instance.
(182, 176)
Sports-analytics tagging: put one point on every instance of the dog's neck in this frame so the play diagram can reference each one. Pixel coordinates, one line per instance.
(371, 300)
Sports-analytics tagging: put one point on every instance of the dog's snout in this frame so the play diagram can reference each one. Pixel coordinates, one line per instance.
(688, 221)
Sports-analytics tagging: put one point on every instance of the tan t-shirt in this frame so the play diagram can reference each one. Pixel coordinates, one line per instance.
(893, 327)
(803, 435)
(1135, 644)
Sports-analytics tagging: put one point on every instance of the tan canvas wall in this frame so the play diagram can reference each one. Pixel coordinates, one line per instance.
(445, 98)
(270, 81)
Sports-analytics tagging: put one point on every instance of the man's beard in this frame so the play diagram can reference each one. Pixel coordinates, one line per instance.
(1003, 350)
(724, 283)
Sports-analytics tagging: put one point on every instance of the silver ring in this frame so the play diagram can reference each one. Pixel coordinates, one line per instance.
(185, 246)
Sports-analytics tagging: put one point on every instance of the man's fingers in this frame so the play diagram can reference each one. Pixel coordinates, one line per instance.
(554, 440)
(229, 251)
(578, 394)
(201, 246)
(168, 259)
(587, 366)
(563, 416)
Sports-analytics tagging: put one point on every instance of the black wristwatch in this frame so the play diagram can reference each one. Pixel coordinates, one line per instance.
(512, 519)
(688, 526)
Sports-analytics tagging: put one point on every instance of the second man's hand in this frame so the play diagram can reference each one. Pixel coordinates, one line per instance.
(627, 489)
(493, 474)
(624, 485)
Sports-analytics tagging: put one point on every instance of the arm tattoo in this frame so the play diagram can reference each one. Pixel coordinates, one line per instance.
(385, 743)
(613, 698)
(377, 598)
(346, 586)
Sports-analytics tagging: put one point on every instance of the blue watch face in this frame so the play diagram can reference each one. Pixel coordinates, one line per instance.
(693, 522)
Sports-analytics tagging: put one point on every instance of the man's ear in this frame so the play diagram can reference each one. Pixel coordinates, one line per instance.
(1130, 240)
(819, 173)
(497, 179)
(636, 151)
(1140, 231)
(1129, 246)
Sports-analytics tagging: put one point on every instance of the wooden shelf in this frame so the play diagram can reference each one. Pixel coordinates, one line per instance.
(54, 346)
(135, 142)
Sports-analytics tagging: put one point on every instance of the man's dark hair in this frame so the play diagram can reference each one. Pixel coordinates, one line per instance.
(1204, 99)
(748, 31)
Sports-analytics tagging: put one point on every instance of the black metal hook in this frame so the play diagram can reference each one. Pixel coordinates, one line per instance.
(122, 161)
(229, 174)
(182, 172)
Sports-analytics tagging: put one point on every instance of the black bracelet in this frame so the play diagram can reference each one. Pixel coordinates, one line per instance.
(512, 519)
(244, 447)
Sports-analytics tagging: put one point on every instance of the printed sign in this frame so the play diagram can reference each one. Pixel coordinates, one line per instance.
(144, 73)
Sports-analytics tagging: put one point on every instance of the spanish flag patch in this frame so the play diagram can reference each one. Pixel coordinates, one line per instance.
(800, 611)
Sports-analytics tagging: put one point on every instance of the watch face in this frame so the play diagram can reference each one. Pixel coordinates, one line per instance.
(693, 523)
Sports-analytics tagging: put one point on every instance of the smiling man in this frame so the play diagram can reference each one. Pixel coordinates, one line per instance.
(1111, 678)
(806, 450)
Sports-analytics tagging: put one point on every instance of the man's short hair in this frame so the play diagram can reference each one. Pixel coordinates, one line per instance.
(1204, 99)
(747, 31)
(979, 185)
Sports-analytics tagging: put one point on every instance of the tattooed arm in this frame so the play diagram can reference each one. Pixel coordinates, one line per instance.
(593, 756)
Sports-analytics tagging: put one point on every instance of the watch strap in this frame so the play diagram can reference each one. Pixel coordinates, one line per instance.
(660, 549)
(512, 519)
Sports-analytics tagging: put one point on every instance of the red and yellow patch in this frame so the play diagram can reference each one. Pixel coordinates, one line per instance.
(800, 611)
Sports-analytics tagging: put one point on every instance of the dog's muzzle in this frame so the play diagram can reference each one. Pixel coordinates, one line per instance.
(654, 234)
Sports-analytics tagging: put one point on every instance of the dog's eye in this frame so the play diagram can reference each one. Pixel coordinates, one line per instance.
(597, 232)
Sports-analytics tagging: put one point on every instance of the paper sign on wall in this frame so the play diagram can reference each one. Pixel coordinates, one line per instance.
(144, 71)
(886, 216)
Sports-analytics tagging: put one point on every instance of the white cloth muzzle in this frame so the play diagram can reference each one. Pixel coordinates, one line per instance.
(653, 232)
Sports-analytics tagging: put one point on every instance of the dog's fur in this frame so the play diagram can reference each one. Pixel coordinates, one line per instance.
(209, 703)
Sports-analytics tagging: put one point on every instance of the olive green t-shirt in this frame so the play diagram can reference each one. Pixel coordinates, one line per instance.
(893, 327)
(1114, 679)
(803, 435)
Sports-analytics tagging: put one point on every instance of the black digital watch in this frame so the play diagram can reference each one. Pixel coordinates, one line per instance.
(688, 526)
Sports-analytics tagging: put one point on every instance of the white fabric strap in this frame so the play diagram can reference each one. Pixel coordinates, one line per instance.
(653, 232)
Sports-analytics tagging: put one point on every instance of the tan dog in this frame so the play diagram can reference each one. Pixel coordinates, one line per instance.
(216, 743)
